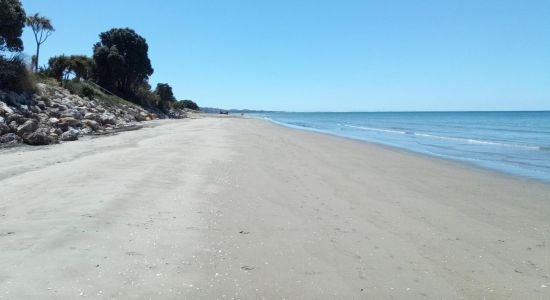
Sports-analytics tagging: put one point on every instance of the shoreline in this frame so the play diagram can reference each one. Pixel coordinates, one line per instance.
(238, 207)
(442, 158)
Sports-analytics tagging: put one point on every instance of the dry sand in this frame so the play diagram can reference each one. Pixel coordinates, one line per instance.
(241, 208)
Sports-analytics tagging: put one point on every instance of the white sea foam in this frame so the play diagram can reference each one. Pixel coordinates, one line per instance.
(465, 140)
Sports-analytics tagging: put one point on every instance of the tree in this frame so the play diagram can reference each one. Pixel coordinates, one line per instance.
(62, 67)
(42, 29)
(12, 21)
(189, 104)
(122, 61)
(164, 90)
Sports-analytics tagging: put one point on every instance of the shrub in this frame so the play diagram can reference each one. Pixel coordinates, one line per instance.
(187, 104)
(145, 97)
(88, 91)
(14, 76)
(81, 89)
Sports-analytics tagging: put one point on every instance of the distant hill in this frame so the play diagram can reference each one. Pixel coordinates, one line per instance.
(214, 110)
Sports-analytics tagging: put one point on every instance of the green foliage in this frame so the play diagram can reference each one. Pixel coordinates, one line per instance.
(43, 78)
(122, 61)
(83, 89)
(186, 104)
(87, 89)
(12, 21)
(62, 67)
(14, 76)
(145, 97)
(166, 96)
(42, 29)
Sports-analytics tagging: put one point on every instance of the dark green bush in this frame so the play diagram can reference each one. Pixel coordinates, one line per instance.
(14, 76)
(187, 104)
(87, 91)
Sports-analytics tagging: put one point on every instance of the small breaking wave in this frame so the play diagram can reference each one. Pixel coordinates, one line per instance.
(466, 140)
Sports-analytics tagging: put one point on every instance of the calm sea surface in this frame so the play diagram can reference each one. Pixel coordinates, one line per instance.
(516, 143)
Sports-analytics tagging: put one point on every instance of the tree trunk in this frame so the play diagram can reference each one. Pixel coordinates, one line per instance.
(37, 53)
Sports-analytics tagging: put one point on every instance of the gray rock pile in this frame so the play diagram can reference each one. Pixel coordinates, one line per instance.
(54, 114)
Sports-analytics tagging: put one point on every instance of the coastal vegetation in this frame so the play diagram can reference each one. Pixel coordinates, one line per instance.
(113, 82)
(42, 29)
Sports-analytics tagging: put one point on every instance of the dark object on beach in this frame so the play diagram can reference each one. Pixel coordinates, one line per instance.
(224, 112)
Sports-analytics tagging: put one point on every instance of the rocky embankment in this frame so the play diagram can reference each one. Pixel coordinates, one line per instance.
(54, 114)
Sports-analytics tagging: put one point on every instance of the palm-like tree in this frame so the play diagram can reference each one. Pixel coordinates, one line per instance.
(42, 29)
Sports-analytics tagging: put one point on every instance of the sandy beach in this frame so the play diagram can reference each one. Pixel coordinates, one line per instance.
(239, 208)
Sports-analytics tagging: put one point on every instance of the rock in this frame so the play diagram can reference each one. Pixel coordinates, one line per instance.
(41, 105)
(2, 120)
(5, 109)
(39, 137)
(142, 116)
(42, 117)
(70, 135)
(107, 118)
(4, 128)
(91, 124)
(13, 126)
(27, 127)
(86, 130)
(53, 121)
(91, 116)
(17, 118)
(71, 113)
(9, 138)
(70, 121)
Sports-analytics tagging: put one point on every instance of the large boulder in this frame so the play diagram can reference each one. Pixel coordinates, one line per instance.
(39, 137)
(72, 122)
(92, 116)
(91, 124)
(70, 135)
(107, 118)
(17, 118)
(27, 127)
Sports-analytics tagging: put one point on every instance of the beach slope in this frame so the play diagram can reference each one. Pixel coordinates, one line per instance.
(227, 207)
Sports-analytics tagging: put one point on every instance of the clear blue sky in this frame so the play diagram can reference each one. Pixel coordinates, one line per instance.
(328, 55)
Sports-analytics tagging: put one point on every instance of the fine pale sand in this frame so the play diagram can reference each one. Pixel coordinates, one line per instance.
(240, 208)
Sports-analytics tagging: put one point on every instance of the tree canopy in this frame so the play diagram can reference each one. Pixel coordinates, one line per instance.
(12, 22)
(189, 104)
(164, 90)
(166, 96)
(62, 67)
(122, 61)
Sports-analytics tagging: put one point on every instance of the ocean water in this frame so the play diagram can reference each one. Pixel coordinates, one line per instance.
(516, 143)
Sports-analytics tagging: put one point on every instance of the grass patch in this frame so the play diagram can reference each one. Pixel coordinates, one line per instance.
(86, 89)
